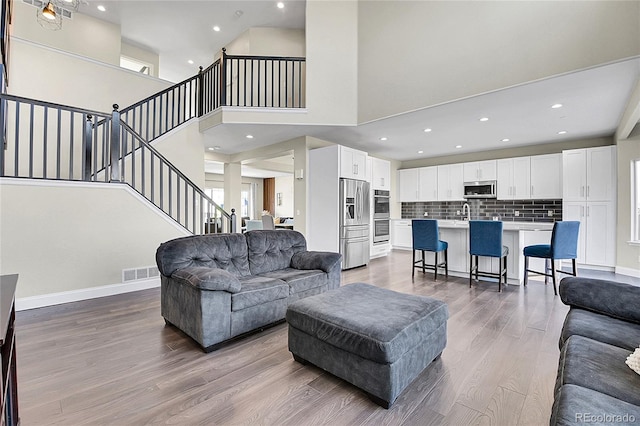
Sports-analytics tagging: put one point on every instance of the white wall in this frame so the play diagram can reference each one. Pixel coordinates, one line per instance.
(143, 55)
(627, 255)
(269, 42)
(284, 186)
(82, 35)
(67, 236)
(184, 148)
(414, 54)
(39, 72)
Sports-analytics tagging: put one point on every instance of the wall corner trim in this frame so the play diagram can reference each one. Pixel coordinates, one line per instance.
(628, 271)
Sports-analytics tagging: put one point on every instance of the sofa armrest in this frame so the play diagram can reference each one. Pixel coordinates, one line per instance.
(207, 278)
(323, 260)
(611, 298)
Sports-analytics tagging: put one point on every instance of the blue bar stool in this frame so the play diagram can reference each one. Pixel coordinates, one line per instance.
(426, 238)
(485, 239)
(564, 246)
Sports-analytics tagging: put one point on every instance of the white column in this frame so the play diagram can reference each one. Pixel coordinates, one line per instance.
(233, 189)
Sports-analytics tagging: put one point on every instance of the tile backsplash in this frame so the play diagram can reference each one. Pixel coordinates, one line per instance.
(481, 209)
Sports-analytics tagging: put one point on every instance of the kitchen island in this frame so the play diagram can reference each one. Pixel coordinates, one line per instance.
(516, 236)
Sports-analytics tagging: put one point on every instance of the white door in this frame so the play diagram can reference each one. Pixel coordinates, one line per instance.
(428, 183)
(470, 171)
(443, 183)
(456, 182)
(359, 161)
(546, 176)
(574, 175)
(346, 163)
(521, 178)
(487, 170)
(408, 185)
(381, 171)
(457, 253)
(505, 179)
(601, 180)
(577, 211)
(600, 234)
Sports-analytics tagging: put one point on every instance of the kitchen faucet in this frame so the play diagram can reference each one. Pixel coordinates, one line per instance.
(466, 206)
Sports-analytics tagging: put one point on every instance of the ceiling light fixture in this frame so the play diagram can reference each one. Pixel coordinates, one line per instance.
(280, 5)
(505, 140)
(421, 152)
(427, 130)
(556, 106)
(190, 62)
(48, 18)
(216, 28)
(383, 138)
(562, 132)
(216, 147)
(101, 8)
(210, 149)
(249, 136)
(458, 146)
(484, 119)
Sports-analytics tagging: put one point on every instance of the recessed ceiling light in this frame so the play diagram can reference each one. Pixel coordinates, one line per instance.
(280, 5)
(239, 13)
(249, 136)
(427, 130)
(383, 138)
(190, 61)
(101, 8)
(216, 147)
(420, 152)
(210, 148)
(216, 28)
(505, 140)
(484, 119)
(556, 106)
(562, 132)
(458, 146)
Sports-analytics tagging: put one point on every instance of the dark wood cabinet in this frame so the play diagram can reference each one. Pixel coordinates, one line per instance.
(9, 393)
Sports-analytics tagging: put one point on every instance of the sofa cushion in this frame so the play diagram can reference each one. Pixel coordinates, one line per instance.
(257, 290)
(601, 328)
(577, 405)
(222, 251)
(611, 298)
(207, 279)
(598, 366)
(350, 319)
(272, 250)
(299, 280)
(316, 260)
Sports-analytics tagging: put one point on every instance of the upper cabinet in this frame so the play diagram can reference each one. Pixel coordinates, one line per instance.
(408, 185)
(546, 177)
(380, 174)
(589, 174)
(353, 163)
(450, 182)
(480, 170)
(428, 183)
(514, 178)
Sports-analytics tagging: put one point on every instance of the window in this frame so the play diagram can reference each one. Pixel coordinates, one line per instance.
(247, 197)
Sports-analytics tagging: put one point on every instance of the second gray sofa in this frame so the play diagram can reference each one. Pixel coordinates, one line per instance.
(218, 286)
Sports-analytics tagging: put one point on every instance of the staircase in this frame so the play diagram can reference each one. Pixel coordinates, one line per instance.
(44, 140)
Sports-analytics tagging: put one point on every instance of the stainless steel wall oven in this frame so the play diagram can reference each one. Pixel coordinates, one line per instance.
(380, 204)
(381, 230)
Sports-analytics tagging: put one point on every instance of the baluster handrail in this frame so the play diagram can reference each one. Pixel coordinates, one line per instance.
(158, 94)
(174, 169)
(53, 105)
(267, 58)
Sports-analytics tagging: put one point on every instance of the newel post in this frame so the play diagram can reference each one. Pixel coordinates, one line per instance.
(200, 93)
(223, 77)
(233, 221)
(114, 144)
(88, 147)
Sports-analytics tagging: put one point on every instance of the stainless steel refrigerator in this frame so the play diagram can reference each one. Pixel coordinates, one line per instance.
(354, 223)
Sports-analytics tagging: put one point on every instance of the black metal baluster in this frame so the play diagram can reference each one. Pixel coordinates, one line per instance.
(58, 143)
(70, 145)
(31, 117)
(45, 117)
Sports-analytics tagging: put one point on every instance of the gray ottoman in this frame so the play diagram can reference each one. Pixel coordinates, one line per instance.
(376, 339)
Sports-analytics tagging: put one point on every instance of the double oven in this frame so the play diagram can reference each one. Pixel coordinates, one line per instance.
(380, 216)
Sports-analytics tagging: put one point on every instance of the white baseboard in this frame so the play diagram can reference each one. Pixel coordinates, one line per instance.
(33, 302)
(628, 271)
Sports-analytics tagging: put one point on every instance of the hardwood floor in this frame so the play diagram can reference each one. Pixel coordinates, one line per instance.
(113, 361)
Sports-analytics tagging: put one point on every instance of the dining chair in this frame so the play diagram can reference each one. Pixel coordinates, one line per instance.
(253, 224)
(485, 239)
(268, 222)
(564, 246)
(426, 238)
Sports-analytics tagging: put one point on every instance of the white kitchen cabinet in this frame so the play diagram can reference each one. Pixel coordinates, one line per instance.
(380, 174)
(513, 178)
(401, 234)
(597, 237)
(408, 185)
(450, 182)
(428, 183)
(353, 163)
(480, 170)
(546, 177)
(457, 252)
(589, 174)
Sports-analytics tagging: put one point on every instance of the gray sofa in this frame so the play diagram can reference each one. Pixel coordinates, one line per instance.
(594, 385)
(218, 286)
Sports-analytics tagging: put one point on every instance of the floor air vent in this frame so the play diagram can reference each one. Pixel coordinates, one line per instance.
(142, 273)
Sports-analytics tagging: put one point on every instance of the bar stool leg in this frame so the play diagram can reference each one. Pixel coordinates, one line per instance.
(526, 270)
(435, 267)
(546, 271)
(413, 264)
(446, 264)
(554, 278)
(575, 270)
(470, 269)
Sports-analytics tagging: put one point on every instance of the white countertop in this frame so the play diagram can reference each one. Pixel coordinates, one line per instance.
(507, 225)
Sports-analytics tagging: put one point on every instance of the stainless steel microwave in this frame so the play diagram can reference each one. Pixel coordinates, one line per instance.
(480, 189)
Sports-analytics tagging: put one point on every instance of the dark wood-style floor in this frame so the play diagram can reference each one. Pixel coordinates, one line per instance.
(113, 361)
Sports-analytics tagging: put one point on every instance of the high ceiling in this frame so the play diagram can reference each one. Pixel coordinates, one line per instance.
(592, 100)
